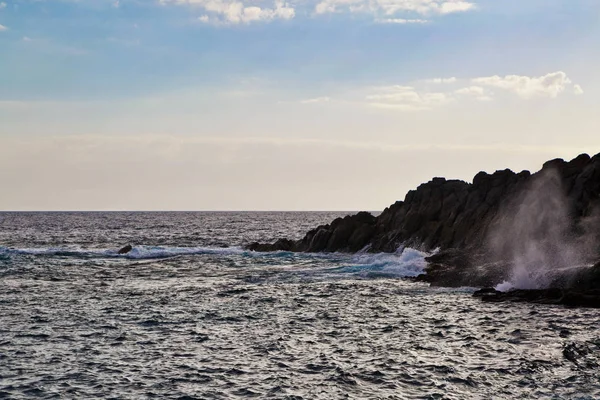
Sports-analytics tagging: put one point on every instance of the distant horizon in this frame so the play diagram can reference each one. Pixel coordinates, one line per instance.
(188, 211)
(282, 210)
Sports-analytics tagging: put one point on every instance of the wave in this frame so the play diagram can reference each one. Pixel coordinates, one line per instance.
(143, 252)
(138, 252)
(404, 263)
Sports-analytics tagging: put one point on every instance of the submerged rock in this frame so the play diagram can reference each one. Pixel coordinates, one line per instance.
(560, 296)
(125, 250)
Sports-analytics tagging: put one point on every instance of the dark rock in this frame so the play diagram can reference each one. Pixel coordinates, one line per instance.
(565, 297)
(486, 292)
(458, 217)
(125, 249)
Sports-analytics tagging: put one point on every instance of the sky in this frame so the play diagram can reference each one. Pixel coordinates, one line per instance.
(285, 105)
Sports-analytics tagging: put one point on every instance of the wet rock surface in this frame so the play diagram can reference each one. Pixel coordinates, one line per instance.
(125, 249)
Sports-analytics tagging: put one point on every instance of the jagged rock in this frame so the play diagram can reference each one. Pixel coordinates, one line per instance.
(452, 214)
(125, 250)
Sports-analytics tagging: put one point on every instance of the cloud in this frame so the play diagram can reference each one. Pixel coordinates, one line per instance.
(441, 80)
(3, 28)
(391, 7)
(401, 21)
(236, 12)
(477, 92)
(418, 96)
(315, 100)
(2, 5)
(550, 85)
(406, 98)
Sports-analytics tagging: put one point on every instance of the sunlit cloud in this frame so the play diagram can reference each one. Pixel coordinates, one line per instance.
(418, 97)
(477, 92)
(391, 7)
(406, 98)
(237, 12)
(549, 85)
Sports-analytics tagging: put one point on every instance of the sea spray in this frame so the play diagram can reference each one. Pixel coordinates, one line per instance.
(534, 233)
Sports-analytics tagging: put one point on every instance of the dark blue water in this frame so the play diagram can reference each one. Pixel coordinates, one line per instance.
(190, 314)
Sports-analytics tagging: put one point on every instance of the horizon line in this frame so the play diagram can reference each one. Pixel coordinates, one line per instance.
(176, 211)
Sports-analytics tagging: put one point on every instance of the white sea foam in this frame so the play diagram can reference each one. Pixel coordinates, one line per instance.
(138, 252)
(405, 262)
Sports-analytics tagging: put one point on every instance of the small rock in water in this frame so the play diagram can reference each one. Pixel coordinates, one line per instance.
(125, 249)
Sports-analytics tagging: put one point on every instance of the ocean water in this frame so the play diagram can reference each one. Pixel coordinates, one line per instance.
(189, 314)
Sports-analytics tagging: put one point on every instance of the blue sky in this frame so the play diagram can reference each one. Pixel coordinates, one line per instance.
(437, 82)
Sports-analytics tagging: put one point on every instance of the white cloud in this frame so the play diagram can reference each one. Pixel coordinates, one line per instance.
(477, 92)
(323, 99)
(442, 80)
(419, 97)
(407, 98)
(391, 7)
(471, 90)
(3, 28)
(401, 21)
(550, 85)
(236, 12)
(2, 5)
(449, 7)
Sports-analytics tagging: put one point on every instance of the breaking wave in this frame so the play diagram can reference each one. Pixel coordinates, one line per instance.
(404, 263)
(138, 252)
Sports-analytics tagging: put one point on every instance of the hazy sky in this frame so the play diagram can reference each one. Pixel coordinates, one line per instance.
(285, 105)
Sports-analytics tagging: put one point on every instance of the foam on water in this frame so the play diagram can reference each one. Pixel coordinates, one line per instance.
(404, 263)
(138, 252)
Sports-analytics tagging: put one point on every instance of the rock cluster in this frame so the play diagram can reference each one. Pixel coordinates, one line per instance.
(456, 218)
(447, 214)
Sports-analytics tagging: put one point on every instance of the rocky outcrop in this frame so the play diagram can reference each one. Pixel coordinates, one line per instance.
(348, 234)
(445, 214)
(580, 288)
(459, 268)
(458, 218)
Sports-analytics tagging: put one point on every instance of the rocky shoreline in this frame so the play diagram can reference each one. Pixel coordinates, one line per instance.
(484, 231)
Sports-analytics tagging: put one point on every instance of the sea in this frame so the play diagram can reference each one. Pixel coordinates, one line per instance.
(190, 314)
